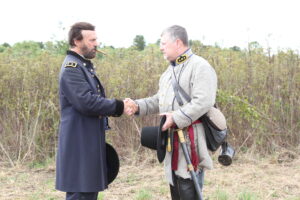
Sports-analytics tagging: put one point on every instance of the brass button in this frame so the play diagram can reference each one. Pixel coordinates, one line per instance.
(84, 64)
(92, 70)
(98, 86)
(99, 91)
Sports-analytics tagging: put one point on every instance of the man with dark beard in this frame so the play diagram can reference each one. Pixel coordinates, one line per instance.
(81, 169)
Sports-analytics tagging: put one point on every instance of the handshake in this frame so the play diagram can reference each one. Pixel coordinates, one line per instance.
(130, 107)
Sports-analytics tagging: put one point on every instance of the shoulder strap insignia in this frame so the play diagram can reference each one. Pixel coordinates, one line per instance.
(71, 64)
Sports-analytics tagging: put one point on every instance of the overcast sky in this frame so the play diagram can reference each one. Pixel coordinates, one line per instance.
(273, 23)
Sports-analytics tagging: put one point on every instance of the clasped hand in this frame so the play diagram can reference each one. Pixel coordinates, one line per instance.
(130, 107)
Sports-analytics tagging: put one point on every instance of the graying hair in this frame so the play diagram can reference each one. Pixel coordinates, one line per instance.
(177, 32)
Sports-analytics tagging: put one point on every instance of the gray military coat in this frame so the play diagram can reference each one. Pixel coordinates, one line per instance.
(198, 79)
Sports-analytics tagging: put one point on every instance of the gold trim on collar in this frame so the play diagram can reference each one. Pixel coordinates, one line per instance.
(181, 58)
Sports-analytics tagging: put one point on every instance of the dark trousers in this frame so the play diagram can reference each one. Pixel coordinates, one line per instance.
(184, 189)
(81, 195)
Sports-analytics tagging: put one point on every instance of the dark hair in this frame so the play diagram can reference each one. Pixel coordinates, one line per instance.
(75, 31)
(177, 32)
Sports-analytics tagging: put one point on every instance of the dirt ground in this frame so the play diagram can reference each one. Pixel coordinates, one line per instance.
(272, 178)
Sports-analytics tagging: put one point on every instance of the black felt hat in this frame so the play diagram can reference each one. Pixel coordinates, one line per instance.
(113, 163)
(154, 138)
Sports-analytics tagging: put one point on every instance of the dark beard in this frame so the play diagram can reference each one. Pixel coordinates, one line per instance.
(87, 53)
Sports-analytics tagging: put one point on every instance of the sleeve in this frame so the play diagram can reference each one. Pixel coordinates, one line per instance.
(203, 94)
(148, 105)
(76, 89)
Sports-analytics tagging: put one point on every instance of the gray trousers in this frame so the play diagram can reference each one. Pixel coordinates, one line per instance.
(184, 189)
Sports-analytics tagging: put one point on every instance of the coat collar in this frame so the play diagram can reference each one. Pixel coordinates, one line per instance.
(73, 53)
(182, 58)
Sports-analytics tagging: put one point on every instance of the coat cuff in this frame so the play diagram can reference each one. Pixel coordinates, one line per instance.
(142, 107)
(119, 108)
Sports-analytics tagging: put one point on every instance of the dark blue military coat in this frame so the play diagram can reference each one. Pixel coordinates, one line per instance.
(81, 161)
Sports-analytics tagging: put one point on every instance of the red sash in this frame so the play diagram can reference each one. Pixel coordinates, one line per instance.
(194, 156)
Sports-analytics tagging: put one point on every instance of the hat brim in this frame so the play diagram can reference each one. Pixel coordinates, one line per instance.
(154, 138)
(113, 163)
(161, 141)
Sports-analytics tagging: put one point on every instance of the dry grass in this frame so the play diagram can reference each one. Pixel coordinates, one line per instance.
(22, 183)
(265, 179)
(273, 178)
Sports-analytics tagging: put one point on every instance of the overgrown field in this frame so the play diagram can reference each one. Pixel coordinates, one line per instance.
(259, 93)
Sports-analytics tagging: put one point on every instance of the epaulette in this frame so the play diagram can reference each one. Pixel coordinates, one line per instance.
(71, 64)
